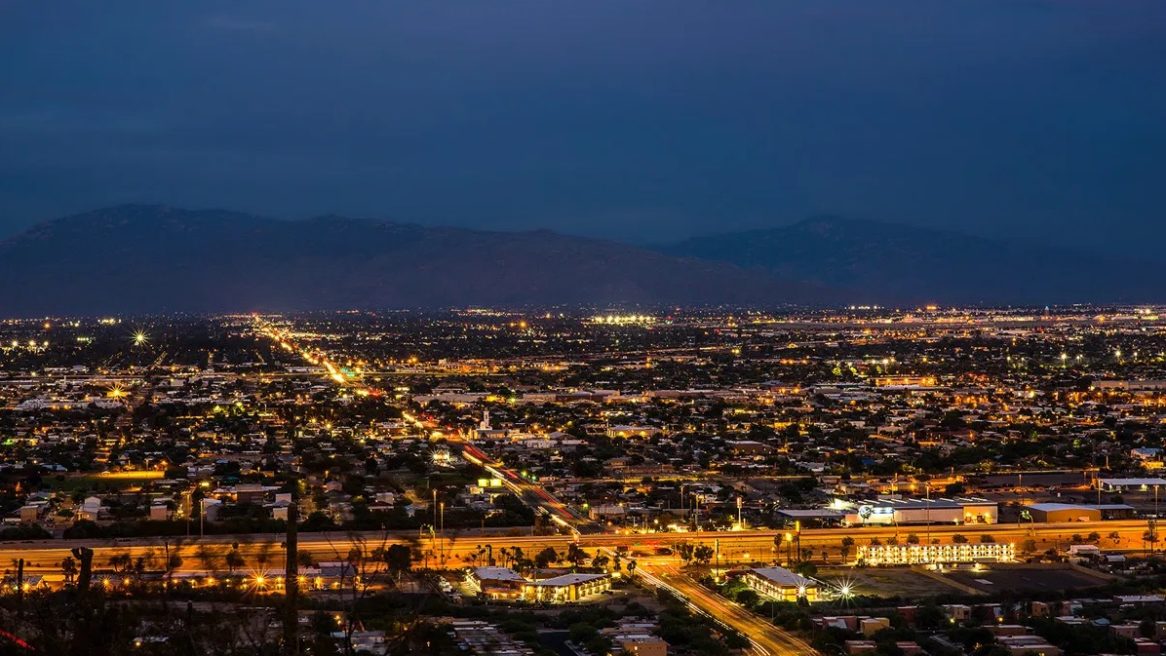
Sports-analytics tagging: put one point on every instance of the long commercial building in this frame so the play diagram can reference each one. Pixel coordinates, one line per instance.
(900, 512)
(920, 554)
(504, 584)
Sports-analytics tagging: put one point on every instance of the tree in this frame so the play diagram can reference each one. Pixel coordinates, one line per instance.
(263, 554)
(929, 616)
(69, 569)
(234, 559)
(703, 554)
(399, 558)
(576, 555)
(519, 558)
(305, 559)
(546, 557)
(748, 598)
(121, 563)
(987, 539)
(1151, 537)
(206, 557)
(959, 538)
(847, 543)
(912, 539)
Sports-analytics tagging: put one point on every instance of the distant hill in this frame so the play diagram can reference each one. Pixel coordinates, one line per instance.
(160, 259)
(890, 263)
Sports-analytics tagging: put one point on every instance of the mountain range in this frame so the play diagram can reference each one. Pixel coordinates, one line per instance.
(888, 263)
(145, 259)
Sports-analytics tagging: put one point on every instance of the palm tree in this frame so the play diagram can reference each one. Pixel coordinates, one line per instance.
(69, 568)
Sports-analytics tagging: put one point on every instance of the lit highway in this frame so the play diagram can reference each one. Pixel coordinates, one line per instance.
(767, 639)
(735, 547)
(529, 493)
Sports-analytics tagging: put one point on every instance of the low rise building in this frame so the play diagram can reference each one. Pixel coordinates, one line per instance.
(919, 554)
(781, 583)
(890, 511)
(566, 588)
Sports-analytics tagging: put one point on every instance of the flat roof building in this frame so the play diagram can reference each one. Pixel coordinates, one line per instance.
(1077, 512)
(890, 511)
(781, 583)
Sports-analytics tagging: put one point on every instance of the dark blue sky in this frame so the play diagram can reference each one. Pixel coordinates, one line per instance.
(634, 120)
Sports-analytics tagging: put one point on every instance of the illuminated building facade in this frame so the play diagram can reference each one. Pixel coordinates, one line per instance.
(920, 554)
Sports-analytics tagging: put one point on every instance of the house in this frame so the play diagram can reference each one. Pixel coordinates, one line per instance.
(861, 647)
(872, 625)
(1028, 645)
(958, 612)
(31, 513)
(90, 509)
(641, 645)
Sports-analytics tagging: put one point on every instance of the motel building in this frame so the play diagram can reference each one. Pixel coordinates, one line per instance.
(780, 583)
(496, 583)
(920, 554)
(566, 588)
(504, 584)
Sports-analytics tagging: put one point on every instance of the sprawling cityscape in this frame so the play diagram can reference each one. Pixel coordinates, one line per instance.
(600, 328)
(860, 481)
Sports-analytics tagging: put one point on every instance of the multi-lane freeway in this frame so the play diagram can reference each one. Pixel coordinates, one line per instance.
(733, 547)
(265, 552)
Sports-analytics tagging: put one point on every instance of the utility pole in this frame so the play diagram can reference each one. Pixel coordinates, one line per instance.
(927, 520)
(20, 587)
(291, 584)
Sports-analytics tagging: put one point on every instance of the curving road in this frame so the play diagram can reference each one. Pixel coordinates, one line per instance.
(767, 639)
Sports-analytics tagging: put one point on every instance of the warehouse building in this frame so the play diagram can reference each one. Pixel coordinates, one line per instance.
(1077, 512)
(889, 511)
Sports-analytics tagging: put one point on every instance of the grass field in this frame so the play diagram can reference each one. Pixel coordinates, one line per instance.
(884, 582)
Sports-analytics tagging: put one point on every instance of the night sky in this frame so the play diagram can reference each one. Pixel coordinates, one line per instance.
(642, 121)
